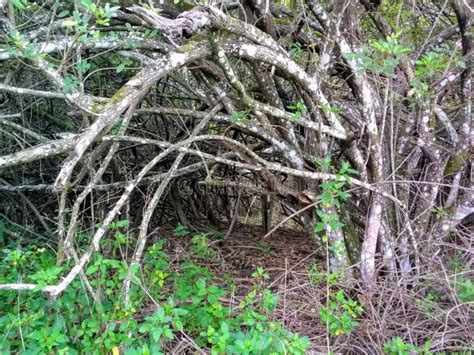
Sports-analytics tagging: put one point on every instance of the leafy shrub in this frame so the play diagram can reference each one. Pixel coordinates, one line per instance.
(464, 289)
(340, 314)
(396, 346)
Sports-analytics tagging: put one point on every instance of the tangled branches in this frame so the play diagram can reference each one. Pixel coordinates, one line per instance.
(255, 96)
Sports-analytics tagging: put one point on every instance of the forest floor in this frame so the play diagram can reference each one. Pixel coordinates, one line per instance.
(293, 261)
(297, 275)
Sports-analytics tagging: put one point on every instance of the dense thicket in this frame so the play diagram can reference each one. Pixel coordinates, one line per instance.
(353, 116)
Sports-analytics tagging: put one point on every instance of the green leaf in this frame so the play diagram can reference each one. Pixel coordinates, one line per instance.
(180, 312)
(224, 328)
(168, 333)
(82, 66)
(156, 334)
(70, 83)
(212, 299)
(319, 227)
(144, 328)
(63, 13)
(122, 223)
(20, 4)
(201, 283)
(238, 117)
(120, 68)
(92, 269)
(178, 324)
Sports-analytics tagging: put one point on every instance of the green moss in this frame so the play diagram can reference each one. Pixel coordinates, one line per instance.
(118, 96)
(219, 183)
(351, 238)
(283, 22)
(432, 122)
(192, 43)
(97, 106)
(455, 164)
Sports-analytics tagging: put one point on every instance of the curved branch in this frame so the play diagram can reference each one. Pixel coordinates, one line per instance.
(133, 89)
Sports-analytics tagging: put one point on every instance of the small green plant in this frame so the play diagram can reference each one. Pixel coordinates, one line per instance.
(340, 314)
(45, 277)
(396, 346)
(239, 117)
(331, 109)
(316, 275)
(200, 245)
(82, 66)
(123, 65)
(381, 56)
(181, 230)
(152, 34)
(439, 212)
(430, 64)
(260, 275)
(435, 62)
(429, 304)
(298, 109)
(158, 325)
(70, 83)
(117, 238)
(102, 14)
(332, 195)
(52, 338)
(433, 296)
(156, 266)
(250, 331)
(116, 126)
(21, 47)
(464, 289)
(79, 22)
(264, 247)
(295, 50)
(457, 263)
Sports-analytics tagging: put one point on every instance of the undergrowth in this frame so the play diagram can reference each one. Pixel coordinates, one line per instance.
(168, 303)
